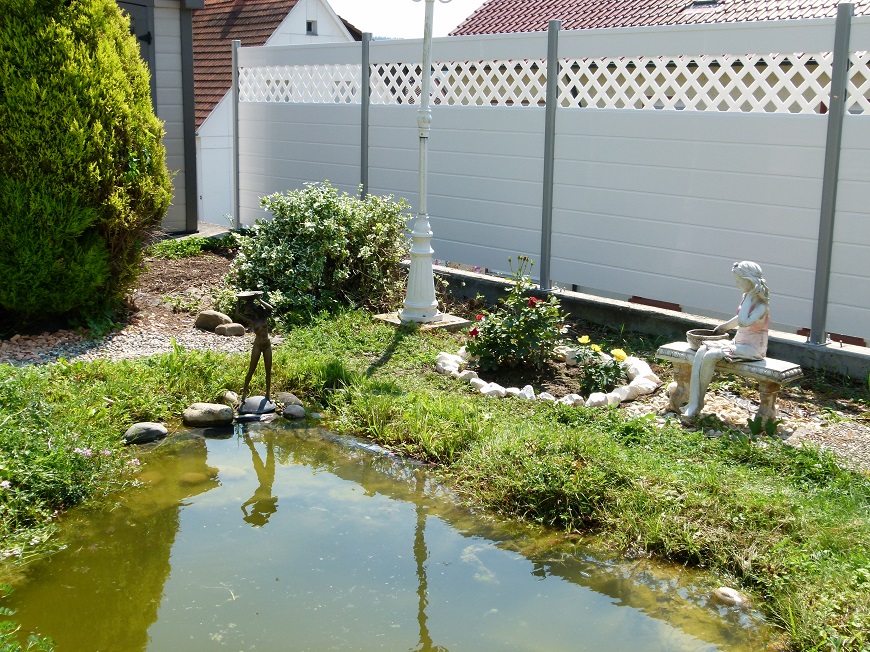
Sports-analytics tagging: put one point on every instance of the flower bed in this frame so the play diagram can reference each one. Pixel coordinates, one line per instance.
(641, 380)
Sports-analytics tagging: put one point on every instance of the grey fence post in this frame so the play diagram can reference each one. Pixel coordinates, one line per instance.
(237, 218)
(836, 109)
(365, 101)
(549, 150)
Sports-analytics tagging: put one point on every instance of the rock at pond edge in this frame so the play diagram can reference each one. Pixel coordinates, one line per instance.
(208, 414)
(145, 432)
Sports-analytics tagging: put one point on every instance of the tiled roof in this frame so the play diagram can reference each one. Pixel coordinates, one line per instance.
(501, 16)
(215, 26)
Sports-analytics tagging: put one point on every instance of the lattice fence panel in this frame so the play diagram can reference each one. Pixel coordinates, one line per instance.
(858, 93)
(463, 83)
(395, 83)
(767, 83)
(319, 84)
(770, 83)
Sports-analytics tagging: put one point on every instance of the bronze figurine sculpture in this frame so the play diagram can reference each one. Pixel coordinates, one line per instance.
(254, 313)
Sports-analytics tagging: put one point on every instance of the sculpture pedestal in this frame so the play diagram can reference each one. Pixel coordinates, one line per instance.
(256, 405)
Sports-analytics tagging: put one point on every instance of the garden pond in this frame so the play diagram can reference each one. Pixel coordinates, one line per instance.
(276, 537)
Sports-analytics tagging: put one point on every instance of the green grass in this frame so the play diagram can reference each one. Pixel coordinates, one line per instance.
(191, 246)
(787, 525)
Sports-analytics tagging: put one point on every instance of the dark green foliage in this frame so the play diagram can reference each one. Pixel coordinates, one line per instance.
(322, 250)
(82, 171)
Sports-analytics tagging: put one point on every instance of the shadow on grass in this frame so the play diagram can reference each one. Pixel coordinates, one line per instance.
(401, 333)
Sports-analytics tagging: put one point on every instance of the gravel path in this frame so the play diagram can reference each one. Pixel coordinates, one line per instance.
(130, 342)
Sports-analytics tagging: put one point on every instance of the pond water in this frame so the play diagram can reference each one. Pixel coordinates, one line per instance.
(280, 538)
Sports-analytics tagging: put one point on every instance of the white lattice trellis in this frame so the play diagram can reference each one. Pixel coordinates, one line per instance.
(766, 83)
(858, 93)
(395, 83)
(770, 83)
(330, 84)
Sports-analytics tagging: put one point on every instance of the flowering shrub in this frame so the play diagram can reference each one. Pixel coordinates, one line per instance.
(322, 250)
(522, 331)
(599, 372)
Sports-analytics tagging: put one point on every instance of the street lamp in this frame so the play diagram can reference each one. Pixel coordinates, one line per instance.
(420, 304)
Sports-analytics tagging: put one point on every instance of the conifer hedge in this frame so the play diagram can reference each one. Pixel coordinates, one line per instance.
(83, 178)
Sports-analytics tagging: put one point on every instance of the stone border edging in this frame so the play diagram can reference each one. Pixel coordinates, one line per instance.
(642, 381)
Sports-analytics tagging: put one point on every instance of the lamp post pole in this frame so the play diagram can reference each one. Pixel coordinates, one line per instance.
(420, 304)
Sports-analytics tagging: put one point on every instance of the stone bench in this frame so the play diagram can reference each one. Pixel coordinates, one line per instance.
(770, 373)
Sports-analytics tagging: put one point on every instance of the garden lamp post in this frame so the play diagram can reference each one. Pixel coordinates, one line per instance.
(420, 304)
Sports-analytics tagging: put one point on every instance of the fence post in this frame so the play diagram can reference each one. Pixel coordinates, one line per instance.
(365, 101)
(549, 149)
(836, 109)
(237, 218)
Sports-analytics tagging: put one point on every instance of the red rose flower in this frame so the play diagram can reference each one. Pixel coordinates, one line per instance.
(533, 301)
(479, 317)
(474, 332)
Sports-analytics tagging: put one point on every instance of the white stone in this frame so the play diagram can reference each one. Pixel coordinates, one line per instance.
(626, 392)
(654, 378)
(527, 393)
(671, 388)
(454, 373)
(450, 359)
(546, 396)
(512, 391)
(493, 390)
(445, 368)
(612, 398)
(468, 374)
(463, 353)
(644, 386)
(477, 383)
(576, 400)
(635, 367)
(596, 399)
(571, 358)
(565, 400)
(561, 352)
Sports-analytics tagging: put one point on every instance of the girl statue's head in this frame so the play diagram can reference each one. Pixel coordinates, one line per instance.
(751, 272)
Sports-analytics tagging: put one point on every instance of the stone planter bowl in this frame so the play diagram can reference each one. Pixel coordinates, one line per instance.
(698, 336)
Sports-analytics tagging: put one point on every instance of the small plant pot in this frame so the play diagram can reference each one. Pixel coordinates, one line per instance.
(698, 336)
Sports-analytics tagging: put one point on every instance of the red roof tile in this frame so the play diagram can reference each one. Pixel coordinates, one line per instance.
(215, 26)
(502, 16)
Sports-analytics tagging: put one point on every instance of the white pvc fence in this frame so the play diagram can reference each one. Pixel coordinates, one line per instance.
(678, 151)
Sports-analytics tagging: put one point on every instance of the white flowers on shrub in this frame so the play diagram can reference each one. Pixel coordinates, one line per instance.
(642, 381)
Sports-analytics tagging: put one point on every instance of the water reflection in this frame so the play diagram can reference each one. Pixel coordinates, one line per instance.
(366, 553)
(421, 555)
(263, 504)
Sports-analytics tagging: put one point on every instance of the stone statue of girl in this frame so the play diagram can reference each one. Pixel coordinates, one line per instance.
(752, 321)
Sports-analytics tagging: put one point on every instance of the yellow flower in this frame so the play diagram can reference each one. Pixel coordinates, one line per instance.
(595, 348)
(619, 354)
(584, 339)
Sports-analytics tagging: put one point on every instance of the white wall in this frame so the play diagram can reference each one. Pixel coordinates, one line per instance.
(168, 104)
(214, 137)
(650, 203)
